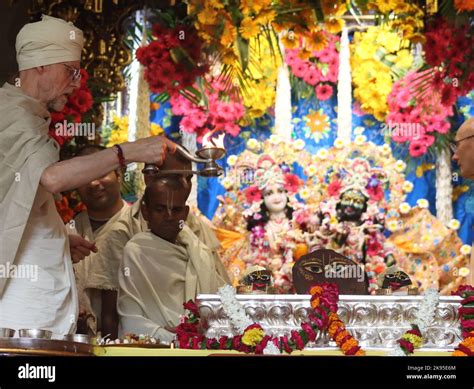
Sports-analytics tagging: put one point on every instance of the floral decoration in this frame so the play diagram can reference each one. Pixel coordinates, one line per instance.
(378, 58)
(413, 338)
(252, 338)
(466, 315)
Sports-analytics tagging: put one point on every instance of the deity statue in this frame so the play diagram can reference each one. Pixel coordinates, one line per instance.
(266, 234)
(349, 220)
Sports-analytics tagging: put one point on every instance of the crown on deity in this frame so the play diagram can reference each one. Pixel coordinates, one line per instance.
(360, 176)
(268, 173)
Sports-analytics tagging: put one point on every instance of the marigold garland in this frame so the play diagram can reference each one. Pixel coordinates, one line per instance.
(323, 316)
(466, 315)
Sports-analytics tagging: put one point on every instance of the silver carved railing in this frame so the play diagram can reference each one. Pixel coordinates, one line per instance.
(376, 321)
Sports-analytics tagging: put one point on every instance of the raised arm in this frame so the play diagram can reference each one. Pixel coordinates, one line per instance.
(72, 173)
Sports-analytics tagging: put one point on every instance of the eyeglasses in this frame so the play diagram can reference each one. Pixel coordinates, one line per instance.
(454, 145)
(75, 73)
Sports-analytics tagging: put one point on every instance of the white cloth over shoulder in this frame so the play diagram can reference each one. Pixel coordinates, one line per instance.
(157, 277)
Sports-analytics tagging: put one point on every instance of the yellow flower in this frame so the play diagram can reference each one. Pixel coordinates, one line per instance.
(155, 130)
(207, 16)
(323, 153)
(393, 225)
(312, 170)
(226, 183)
(290, 41)
(253, 144)
(249, 29)
(414, 339)
(229, 34)
(360, 140)
(464, 272)
(339, 143)
(253, 337)
(299, 144)
(400, 166)
(334, 25)
(316, 41)
(266, 17)
(232, 159)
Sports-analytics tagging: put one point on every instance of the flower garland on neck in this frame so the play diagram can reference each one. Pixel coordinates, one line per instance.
(252, 337)
(413, 338)
(466, 314)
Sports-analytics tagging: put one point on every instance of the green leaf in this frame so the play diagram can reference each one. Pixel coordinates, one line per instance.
(243, 50)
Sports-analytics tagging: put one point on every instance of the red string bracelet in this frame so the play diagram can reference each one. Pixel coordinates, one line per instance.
(121, 158)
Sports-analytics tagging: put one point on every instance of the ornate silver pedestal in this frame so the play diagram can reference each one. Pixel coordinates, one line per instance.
(376, 321)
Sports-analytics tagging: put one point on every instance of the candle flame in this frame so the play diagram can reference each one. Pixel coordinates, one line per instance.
(208, 141)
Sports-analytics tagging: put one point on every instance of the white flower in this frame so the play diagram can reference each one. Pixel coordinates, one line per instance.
(385, 149)
(454, 224)
(407, 186)
(360, 140)
(299, 144)
(322, 154)
(312, 170)
(404, 208)
(275, 139)
(339, 143)
(466, 249)
(392, 225)
(359, 130)
(253, 144)
(423, 203)
(464, 272)
(304, 193)
(232, 159)
(226, 183)
(400, 166)
(271, 349)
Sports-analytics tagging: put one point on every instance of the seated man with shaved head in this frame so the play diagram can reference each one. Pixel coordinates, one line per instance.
(164, 267)
(124, 229)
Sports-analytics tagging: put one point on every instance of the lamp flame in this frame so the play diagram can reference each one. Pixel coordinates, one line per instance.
(209, 142)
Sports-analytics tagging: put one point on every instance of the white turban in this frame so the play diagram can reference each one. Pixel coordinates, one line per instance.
(49, 41)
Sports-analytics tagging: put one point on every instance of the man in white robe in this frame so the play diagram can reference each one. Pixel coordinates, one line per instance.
(164, 267)
(32, 235)
(463, 154)
(104, 208)
(111, 253)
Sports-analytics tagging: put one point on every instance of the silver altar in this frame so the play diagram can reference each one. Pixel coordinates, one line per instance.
(376, 321)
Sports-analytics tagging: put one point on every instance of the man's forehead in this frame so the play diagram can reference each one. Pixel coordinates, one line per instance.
(467, 129)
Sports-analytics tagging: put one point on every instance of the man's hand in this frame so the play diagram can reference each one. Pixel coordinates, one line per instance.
(80, 248)
(148, 150)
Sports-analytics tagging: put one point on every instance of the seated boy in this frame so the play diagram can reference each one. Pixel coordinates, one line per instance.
(165, 267)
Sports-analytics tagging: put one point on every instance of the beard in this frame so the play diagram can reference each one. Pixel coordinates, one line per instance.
(57, 104)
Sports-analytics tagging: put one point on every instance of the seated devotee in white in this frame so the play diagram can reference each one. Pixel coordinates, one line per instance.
(164, 267)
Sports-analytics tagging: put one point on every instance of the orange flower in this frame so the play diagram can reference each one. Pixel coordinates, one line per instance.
(316, 41)
(315, 303)
(464, 5)
(341, 335)
(360, 353)
(316, 290)
(348, 344)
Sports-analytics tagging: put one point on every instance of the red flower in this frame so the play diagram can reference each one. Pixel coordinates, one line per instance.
(223, 340)
(448, 95)
(323, 92)
(292, 183)
(417, 148)
(253, 194)
(310, 333)
(284, 343)
(376, 193)
(334, 188)
(192, 307)
(81, 99)
(296, 337)
(406, 345)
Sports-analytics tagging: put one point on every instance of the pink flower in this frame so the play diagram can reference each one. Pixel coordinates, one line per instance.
(225, 110)
(188, 125)
(300, 69)
(313, 76)
(417, 148)
(253, 194)
(323, 92)
(232, 129)
(406, 345)
(376, 193)
(334, 188)
(292, 183)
